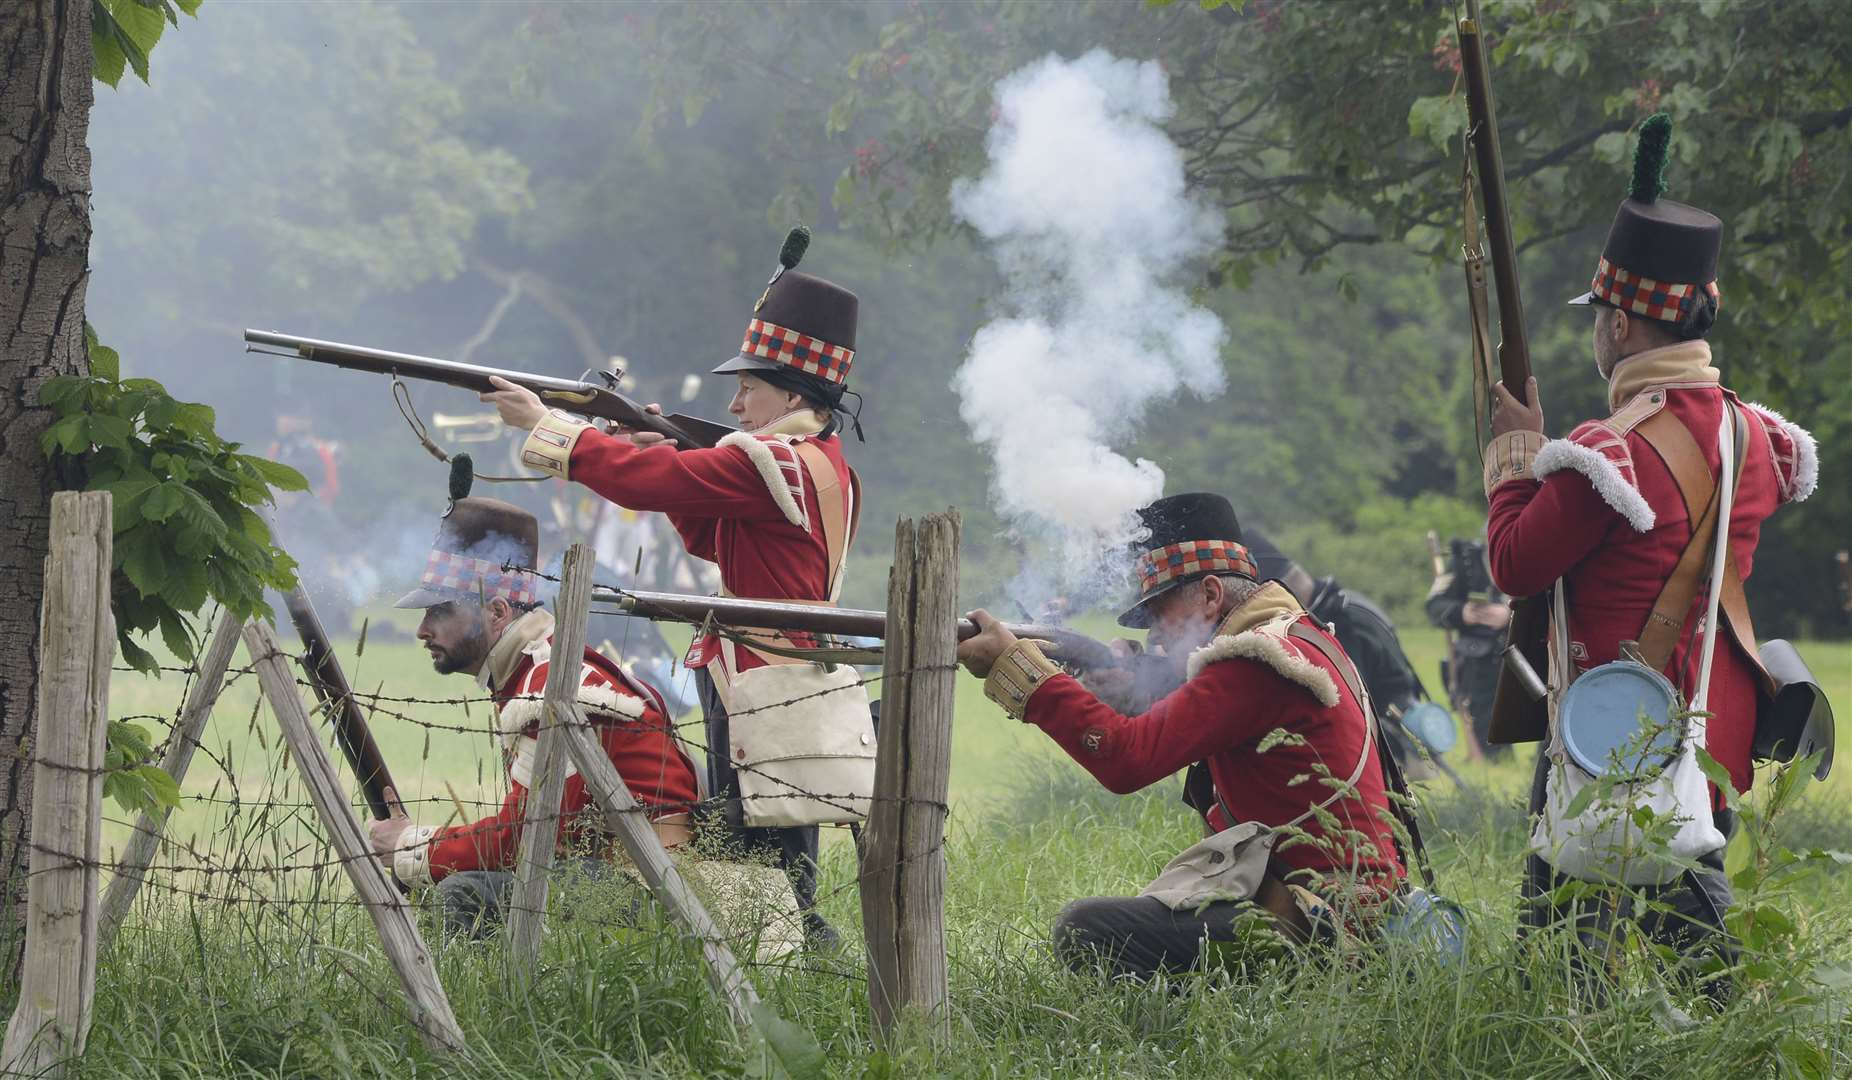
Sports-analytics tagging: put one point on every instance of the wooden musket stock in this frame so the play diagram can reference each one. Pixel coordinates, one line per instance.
(331, 689)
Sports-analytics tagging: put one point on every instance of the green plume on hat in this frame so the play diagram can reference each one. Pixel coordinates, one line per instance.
(462, 476)
(1649, 159)
(797, 241)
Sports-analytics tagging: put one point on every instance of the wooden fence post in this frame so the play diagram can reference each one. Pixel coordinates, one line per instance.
(903, 870)
(540, 831)
(625, 819)
(429, 1007)
(77, 642)
(132, 867)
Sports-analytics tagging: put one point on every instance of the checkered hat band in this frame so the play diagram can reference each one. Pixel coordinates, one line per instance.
(812, 356)
(1642, 295)
(1164, 565)
(448, 570)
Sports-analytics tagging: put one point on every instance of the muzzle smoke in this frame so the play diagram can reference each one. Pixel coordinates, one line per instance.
(1086, 210)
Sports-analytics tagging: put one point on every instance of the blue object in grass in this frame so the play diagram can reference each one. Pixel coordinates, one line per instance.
(1606, 714)
(1430, 921)
(1432, 726)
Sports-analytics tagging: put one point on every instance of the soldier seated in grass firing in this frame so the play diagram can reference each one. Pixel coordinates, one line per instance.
(1273, 707)
(482, 618)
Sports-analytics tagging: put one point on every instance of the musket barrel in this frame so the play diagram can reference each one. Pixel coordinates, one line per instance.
(840, 622)
(383, 362)
(1514, 343)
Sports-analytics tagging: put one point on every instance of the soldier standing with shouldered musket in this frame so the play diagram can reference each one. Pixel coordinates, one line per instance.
(774, 505)
(1605, 509)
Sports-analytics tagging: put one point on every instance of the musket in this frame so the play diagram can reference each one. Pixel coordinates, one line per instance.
(1069, 647)
(1519, 712)
(336, 696)
(573, 395)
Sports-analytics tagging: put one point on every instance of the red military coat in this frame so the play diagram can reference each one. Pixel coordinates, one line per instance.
(1251, 681)
(747, 505)
(630, 719)
(1601, 510)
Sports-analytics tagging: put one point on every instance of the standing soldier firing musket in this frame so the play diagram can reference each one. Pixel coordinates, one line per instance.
(774, 505)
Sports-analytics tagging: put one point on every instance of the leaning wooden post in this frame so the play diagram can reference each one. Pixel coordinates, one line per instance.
(625, 819)
(903, 871)
(77, 643)
(133, 865)
(424, 995)
(540, 830)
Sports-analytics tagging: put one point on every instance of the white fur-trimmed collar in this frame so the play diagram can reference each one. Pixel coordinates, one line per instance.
(759, 451)
(1560, 454)
(1806, 452)
(1266, 643)
(602, 700)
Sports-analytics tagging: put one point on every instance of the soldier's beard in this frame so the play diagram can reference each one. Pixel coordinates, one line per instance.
(465, 655)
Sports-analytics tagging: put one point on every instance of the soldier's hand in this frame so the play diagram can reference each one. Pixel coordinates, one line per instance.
(1508, 414)
(643, 439)
(1483, 613)
(386, 834)
(979, 654)
(519, 407)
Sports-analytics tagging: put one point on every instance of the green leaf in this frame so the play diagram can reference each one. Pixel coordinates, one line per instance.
(58, 389)
(106, 47)
(126, 497)
(1582, 801)
(163, 501)
(1437, 119)
(784, 1050)
(143, 560)
(134, 655)
(69, 436)
(174, 630)
(195, 419)
(105, 362)
(110, 431)
(1718, 775)
(275, 473)
(163, 791)
(143, 24)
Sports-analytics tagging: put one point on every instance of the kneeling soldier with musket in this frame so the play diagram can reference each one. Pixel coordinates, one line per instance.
(482, 617)
(1271, 704)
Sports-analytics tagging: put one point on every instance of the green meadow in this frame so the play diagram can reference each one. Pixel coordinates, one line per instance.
(206, 981)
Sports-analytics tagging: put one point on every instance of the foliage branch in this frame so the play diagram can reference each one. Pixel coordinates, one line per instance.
(185, 521)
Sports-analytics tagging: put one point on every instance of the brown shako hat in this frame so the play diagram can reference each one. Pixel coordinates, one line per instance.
(1190, 536)
(1660, 254)
(802, 325)
(480, 546)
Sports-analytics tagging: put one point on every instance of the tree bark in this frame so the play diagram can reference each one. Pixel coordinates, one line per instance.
(45, 97)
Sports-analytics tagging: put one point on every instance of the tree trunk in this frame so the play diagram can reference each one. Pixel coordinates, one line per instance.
(45, 96)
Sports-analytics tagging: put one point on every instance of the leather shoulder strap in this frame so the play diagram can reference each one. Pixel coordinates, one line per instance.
(1675, 445)
(837, 506)
(1401, 801)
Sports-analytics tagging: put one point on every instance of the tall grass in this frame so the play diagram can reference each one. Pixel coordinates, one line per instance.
(216, 990)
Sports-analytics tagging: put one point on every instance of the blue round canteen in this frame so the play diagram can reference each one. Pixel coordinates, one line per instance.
(1432, 725)
(1606, 713)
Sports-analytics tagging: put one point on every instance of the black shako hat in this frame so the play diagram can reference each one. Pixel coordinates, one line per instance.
(1660, 254)
(476, 539)
(802, 324)
(1190, 536)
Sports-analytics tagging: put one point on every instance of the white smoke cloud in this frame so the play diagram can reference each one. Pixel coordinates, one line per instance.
(1085, 208)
